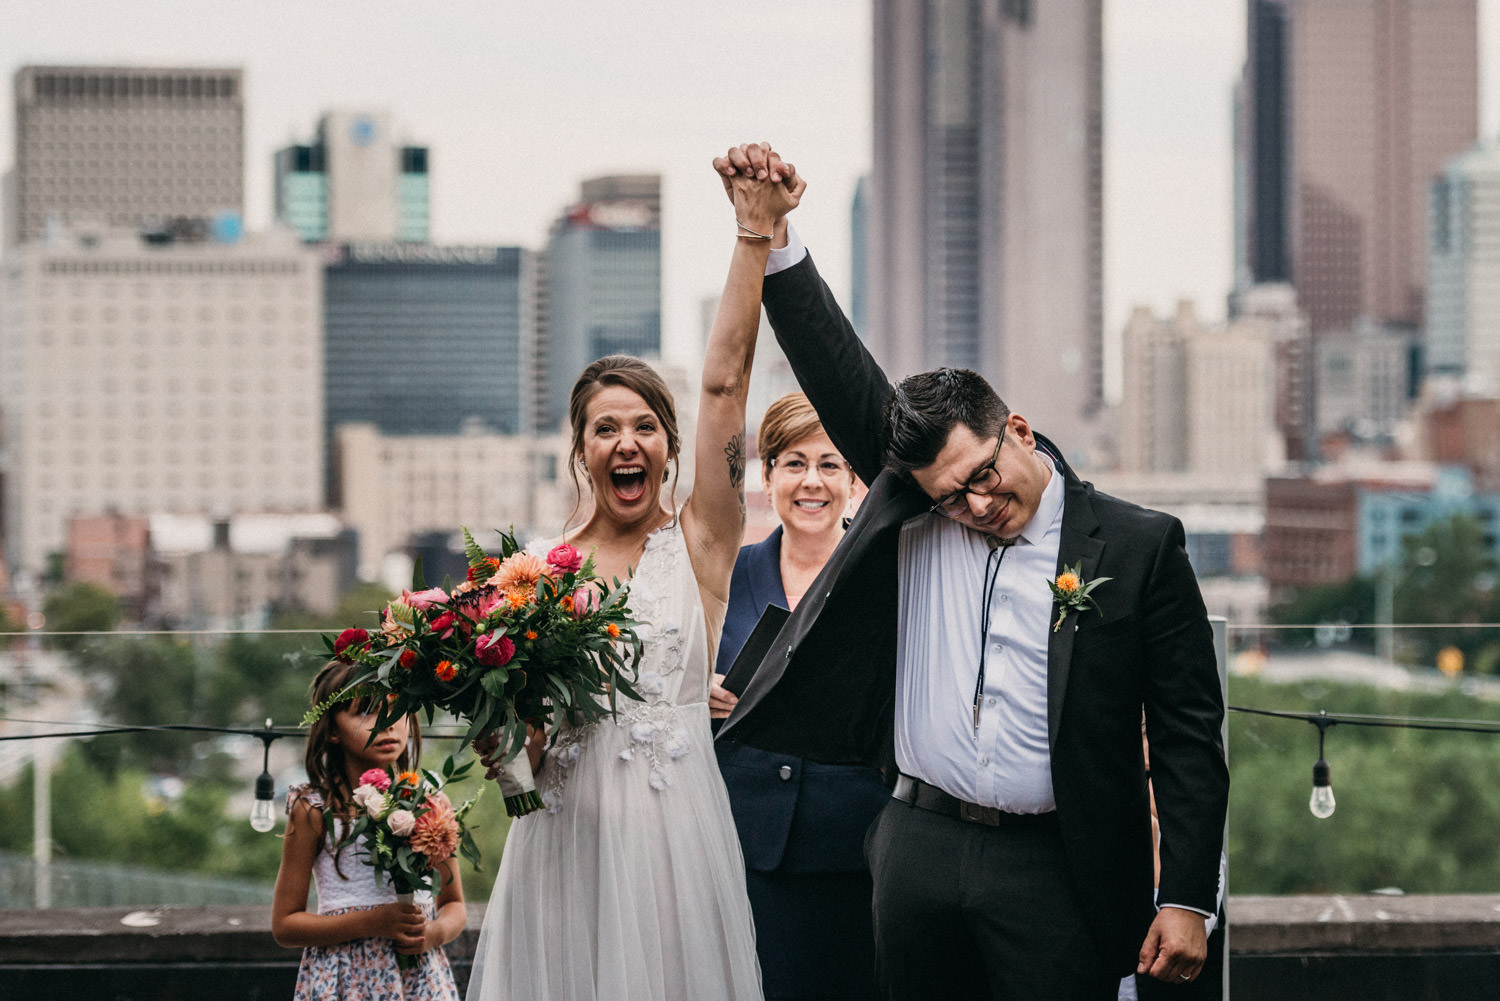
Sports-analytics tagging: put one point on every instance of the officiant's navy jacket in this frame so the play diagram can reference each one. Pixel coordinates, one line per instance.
(793, 815)
(826, 688)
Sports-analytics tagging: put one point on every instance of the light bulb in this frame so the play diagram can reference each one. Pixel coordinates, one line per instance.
(1321, 803)
(263, 814)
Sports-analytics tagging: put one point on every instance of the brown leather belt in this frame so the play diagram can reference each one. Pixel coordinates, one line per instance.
(928, 797)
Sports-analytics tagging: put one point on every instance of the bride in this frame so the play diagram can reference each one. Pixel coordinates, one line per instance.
(630, 884)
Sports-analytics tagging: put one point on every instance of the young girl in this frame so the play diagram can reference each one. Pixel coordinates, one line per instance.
(350, 944)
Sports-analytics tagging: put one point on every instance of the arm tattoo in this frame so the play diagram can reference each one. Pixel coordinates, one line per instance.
(734, 453)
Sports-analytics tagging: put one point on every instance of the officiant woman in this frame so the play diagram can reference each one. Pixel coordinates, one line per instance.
(801, 824)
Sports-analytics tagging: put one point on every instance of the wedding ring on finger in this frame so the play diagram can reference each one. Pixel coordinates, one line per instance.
(1185, 977)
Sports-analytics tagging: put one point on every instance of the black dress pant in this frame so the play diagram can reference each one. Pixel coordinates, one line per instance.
(963, 910)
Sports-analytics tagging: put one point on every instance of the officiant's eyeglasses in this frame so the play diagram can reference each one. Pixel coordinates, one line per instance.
(829, 469)
(982, 482)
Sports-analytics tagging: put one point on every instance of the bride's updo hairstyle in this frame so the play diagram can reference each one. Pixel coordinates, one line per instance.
(641, 379)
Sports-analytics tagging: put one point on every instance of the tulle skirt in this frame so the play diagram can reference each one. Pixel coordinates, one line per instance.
(629, 885)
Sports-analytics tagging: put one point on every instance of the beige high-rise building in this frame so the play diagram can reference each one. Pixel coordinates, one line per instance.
(986, 204)
(125, 147)
(1379, 95)
(395, 487)
(1197, 399)
(142, 378)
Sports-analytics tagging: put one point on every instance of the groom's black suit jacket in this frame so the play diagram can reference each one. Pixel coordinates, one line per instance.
(826, 690)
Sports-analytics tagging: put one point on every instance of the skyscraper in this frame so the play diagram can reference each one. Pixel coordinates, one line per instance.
(426, 340)
(1261, 162)
(152, 377)
(123, 147)
(1463, 312)
(354, 182)
(986, 199)
(1363, 101)
(602, 278)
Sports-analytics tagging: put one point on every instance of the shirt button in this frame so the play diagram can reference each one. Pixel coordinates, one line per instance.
(785, 771)
(990, 701)
(984, 761)
(1004, 597)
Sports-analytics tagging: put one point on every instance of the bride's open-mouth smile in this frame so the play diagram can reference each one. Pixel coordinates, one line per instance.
(628, 481)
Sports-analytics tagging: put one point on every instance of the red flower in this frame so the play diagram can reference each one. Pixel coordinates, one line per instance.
(494, 651)
(408, 659)
(565, 558)
(356, 638)
(445, 671)
(443, 624)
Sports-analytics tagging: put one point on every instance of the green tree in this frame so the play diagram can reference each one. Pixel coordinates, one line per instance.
(1446, 577)
(146, 682)
(1349, 603)
(79, 608)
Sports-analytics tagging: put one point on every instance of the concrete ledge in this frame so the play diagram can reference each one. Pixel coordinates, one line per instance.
(1307, 948)
(1369, 923)
(161, 935)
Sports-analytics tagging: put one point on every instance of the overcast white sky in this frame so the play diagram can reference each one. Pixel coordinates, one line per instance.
(521, 100)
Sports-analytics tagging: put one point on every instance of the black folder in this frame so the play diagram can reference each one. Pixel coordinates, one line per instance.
(762, 637)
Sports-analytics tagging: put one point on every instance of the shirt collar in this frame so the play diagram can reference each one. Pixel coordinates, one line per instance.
(1048, 517)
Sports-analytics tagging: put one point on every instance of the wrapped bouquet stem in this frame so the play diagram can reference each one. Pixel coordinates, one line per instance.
(518, 785)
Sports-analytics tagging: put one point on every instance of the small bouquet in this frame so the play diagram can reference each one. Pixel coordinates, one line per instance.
(522, 639)
(408, 827)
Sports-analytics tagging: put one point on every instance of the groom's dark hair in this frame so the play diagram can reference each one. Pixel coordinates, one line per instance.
(926, 407)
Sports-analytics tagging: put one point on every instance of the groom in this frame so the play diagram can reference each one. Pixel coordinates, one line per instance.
(1015, 858)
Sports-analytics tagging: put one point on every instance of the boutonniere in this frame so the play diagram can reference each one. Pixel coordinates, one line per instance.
(1070, 592)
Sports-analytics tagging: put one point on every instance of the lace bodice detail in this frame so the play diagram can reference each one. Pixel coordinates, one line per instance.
(672, 679)
(350, 882)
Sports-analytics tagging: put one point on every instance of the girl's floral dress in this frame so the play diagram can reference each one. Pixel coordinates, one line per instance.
(363, 969)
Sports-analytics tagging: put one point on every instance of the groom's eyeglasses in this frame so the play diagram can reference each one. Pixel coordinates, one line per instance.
(982, 482)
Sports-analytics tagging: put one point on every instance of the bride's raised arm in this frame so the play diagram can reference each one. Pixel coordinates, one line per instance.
(714, 517)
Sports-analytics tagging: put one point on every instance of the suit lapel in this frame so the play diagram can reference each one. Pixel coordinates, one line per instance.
(766, 587)
(1079, 544)
(889, 503)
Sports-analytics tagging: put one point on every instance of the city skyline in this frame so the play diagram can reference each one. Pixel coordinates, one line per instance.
(653, 103)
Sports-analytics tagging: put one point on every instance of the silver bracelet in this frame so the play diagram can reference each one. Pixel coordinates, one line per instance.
(750, 233)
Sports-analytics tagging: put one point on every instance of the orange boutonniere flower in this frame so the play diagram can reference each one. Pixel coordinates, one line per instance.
(1070, 592)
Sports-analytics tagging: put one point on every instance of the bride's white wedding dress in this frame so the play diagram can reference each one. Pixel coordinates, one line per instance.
(629, 885)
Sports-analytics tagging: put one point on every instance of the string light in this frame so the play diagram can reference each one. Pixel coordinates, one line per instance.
(262, 812)
(1321, 802)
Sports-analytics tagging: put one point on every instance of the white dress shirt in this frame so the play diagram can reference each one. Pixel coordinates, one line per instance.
(1007, 763)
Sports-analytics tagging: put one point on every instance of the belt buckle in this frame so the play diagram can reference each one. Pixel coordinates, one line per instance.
(976, 814)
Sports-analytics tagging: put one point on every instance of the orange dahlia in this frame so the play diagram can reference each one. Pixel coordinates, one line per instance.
(435, 833)
(520, 573)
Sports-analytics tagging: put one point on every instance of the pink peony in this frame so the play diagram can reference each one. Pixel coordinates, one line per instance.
(350, 638)
(425, 599)
(494, 651)
(435, 833)
(585, 602)
(402, 822)
(565, 558)
(376, 777)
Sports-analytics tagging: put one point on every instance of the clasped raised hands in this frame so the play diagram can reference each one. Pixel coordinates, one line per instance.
(761, 185)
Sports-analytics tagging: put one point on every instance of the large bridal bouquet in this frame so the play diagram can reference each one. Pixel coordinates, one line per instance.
(407, 828)
(523, 638)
